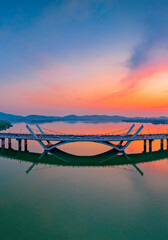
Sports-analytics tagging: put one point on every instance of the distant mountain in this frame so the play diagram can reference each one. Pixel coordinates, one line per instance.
(158, 120)
(93, 118)
(86, 118)
(69, 118)
(10, 117)
(74, 118)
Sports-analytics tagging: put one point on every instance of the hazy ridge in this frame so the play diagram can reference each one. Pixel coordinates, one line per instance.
(85, 118)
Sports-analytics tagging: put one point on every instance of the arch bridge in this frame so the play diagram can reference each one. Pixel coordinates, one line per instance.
(119, 142)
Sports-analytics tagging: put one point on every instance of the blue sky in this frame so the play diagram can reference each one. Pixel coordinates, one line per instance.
(43, 35)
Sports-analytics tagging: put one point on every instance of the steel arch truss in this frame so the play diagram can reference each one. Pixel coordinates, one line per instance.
(120, 147)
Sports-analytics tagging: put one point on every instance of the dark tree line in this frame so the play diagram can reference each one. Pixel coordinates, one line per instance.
(4, 125)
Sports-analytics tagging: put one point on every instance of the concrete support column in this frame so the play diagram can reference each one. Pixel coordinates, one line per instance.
(25, 145)
(19, 144)
(9, 143)
(161, 144)
(144, 145)
(2, 142)
(150, 145)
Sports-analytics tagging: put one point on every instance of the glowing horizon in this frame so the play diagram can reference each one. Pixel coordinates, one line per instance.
(97, 57)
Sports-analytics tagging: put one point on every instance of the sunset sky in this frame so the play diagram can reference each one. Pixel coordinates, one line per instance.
(84, 57)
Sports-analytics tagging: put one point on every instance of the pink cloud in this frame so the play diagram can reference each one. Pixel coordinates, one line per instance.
(138, 79)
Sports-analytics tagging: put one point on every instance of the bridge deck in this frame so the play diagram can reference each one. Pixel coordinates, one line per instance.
(83, 138)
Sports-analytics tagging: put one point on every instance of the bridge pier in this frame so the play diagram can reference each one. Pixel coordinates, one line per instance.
(19, 144)
(3, 143)
(150, 145)
(25, 145)
(144, 145)
(9, 143)
(161, 144)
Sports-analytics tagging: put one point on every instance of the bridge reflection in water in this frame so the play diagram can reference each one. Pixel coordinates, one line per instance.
(60, 158)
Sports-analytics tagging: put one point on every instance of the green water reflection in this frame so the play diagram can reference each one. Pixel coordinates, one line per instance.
(81, 203)
(83, 198)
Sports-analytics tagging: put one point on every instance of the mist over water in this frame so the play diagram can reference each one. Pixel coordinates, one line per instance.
(65, 202)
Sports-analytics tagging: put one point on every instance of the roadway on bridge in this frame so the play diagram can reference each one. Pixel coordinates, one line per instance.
(83, 138)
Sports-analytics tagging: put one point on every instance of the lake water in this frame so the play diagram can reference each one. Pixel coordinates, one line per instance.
(84, 203)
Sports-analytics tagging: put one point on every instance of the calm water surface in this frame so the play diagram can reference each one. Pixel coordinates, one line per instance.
(56, 202)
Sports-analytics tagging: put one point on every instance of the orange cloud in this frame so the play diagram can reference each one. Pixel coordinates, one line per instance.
(94, 85)
(140, 90)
